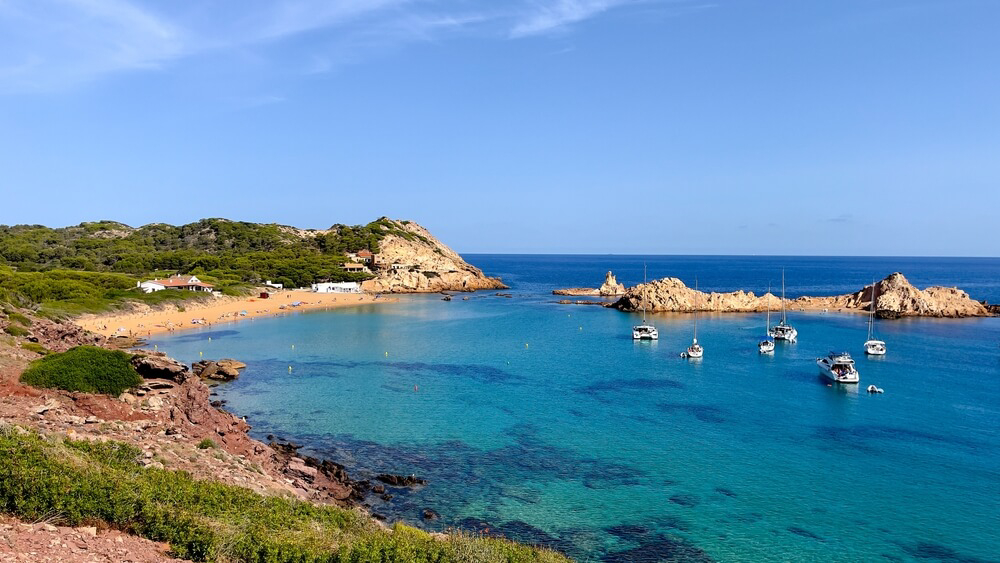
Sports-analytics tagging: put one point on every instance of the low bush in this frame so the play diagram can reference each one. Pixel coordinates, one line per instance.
(206, 444)
(19, 319)
(102, 483)
(15, 330)
(35, 347)
(85, 368)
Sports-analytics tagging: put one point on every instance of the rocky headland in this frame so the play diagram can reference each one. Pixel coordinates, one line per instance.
(895, 297)
(610, 288)
(412, 260)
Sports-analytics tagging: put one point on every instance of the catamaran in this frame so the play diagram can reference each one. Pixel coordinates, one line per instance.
(873, 347)
(766, 346)
(644, 331)
(783, 330)
(838, 367)
(695, 350)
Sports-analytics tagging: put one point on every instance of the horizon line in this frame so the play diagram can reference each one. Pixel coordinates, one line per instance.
(723, 255)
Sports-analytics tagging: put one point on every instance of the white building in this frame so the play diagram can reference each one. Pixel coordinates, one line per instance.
(337, 287)
(150, 286)
(190, 283)
(268, 283)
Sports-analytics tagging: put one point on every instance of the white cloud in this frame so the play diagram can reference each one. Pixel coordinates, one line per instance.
(556, 15)
(48, 45)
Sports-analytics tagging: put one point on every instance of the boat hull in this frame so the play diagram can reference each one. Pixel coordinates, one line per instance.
(875, 348)
(828, 373)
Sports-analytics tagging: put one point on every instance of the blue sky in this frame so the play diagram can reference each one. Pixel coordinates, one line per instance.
(855, 127)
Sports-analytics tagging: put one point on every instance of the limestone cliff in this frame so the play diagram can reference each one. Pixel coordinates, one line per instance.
(610, 288)
(895, 297)
(412, 260)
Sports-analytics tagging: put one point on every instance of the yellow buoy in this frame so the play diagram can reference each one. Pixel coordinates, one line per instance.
(525, 344)
(289, 369)
(387, 354)
(200, 354)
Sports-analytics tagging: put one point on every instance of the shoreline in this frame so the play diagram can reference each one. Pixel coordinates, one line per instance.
(144, 321)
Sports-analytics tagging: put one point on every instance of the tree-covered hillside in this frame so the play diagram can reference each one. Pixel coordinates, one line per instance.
(101, 260)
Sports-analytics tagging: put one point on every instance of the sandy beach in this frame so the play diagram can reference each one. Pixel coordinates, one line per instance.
(145, 321)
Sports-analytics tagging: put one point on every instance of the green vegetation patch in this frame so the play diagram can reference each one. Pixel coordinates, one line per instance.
(85, 368)
(35, 347)
(19, 319)
(102, 483)
(15, 330)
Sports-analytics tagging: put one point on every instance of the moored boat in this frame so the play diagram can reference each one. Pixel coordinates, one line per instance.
(783, 330)
(839, 368)
(644, 331)
(873, 346)
(695, 350)
(766, 346)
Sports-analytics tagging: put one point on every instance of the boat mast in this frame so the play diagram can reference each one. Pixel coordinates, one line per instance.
(768, 328)
(782, 296)
(644, 288)
(871, 315)
(697, 298)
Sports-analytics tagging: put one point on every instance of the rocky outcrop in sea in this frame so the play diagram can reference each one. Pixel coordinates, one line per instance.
(610, 288)
(895, 297)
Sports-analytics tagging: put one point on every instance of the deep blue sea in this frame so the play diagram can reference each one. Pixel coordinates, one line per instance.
(548, 424)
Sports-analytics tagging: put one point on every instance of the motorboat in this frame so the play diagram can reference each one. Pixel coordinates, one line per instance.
(783, 330)
(839, 368)
(873, 346)
(644, 331)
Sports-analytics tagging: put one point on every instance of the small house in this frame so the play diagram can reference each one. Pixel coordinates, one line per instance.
(190, 283)
(354, 267)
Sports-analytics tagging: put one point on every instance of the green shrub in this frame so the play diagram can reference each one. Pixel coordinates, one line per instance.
(102, 483)
(15, 330)
(85, 368)
(19, 319)
(35, 347)
(206, 444)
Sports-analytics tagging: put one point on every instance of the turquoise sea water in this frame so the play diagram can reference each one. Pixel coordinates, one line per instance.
(547, 423)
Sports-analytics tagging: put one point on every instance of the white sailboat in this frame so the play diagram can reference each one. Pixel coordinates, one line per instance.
(783, 330)
(695, 350)
(873, 347)
(644, 331)
(766, 346)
